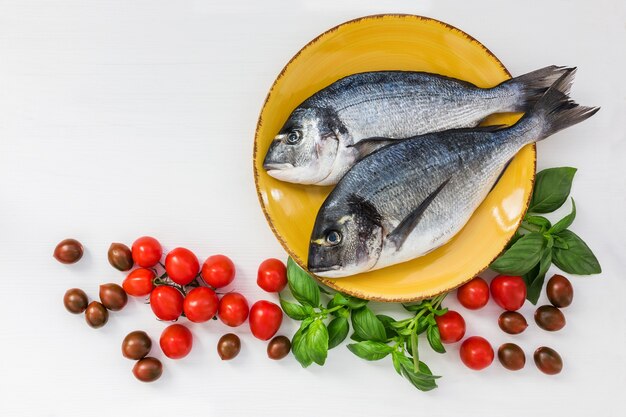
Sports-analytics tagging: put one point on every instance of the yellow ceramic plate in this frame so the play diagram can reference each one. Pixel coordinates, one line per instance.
(391, 42)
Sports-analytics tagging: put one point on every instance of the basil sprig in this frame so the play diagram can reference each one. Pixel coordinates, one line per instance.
(324, 325)
(538, 243)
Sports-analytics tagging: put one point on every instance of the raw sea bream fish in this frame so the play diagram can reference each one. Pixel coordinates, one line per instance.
(412, 196)
(315, 145)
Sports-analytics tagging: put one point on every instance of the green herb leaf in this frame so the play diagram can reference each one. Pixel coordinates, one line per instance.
(367, 326)
(316, 341)
(552, 187)
(298, 345)
(387, 323)
(434, 339)
(565, 222)
(522, 256)
(535, 277)
(302, 286)
(540, 221)
(356, 337)
(355, 303)
(516, 236)
(578, 258)
(396, 358)
(423, 379)
(369, 350)
(337, 331)
(295, 311)
(560, 243)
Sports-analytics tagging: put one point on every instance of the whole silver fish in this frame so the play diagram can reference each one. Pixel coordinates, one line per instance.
(315, 145)
(412, 196)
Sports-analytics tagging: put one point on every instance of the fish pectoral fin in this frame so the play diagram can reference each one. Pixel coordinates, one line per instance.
(399, 235)
(367, 146)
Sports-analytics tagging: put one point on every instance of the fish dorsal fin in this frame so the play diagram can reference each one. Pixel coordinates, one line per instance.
(365, 147)
(399, 235)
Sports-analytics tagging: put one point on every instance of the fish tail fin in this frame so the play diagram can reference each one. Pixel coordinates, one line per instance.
(556, 111)
(530, 87)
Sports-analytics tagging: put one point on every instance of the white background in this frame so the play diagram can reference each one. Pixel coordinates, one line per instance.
(122, 118)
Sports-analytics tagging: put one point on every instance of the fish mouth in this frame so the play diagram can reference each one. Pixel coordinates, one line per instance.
(277, 166)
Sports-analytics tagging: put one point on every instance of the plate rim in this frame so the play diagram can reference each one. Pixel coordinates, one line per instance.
(331, 282)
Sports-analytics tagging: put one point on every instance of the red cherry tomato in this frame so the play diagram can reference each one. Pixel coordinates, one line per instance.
(508, 292)
(200, 304)
(265, 319)
(272, 275)
(233, 309)
(139, 282)
(176, 341)
(166, 302)
(476, 353)
(451, 326)
(147, 251)
(474, 294)
(181, 266)
(218, 271)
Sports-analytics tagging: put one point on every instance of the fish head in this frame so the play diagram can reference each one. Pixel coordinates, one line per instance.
(305, 149)
(345, 242)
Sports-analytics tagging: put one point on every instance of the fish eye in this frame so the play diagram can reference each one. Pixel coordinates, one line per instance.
(294, 137)
(333, 237)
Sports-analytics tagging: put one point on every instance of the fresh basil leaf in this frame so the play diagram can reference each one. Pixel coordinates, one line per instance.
(540, 221)
(535, 277)
(516, 236)
(370, 350)
(339, 300)
(552, 187)
(413, 307)
(302, 286)
(395, 357)
(337, 331)
(367, 325)
(423, 379)
(323, 289)
(440, 312)
(560, 243)
(356, 337)
(316, 341)
(565, 222)
(434, 339)
(295, 311)
(578, 258)
(355, 303)
(522, 256)
(298, 345)
(387, 321)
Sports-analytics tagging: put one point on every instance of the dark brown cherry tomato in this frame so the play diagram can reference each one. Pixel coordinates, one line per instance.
(476, 353)
(139, 282)
(228, 346)
(218, 271)
(113, 297)
(474, 294)
(75, 300)
(166, 302)
(272, 275)
(512, 322)
(548, 360)
(508, 292)
(176, 341)
(181, 266)
(200, 304)
(233, 309)
(96, 315)
(265, 319)
(148, 369)
(278, 348)
(560, 291)
(68, 251)
(147, 251)
(136, 345)
(511, 356)
(451, 326)
(549, 318)
(120, 256)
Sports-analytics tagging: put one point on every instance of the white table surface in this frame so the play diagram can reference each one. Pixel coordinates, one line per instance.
(123, 118)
